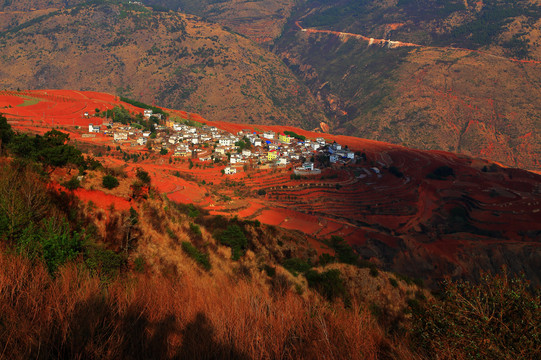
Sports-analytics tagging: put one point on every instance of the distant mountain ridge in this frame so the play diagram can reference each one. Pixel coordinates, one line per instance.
(432, 97)
(176, 60)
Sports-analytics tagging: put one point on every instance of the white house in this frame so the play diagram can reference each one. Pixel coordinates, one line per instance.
(230, 170)
(195, 140)
(146, 133)
(258, 142)
(93, 129)
(147, 113)
(333, 158)
(282, 161)
(308, 166)
(119, 136)
(225, 142)
(141, 141)
(246, 152)
(219, 150)
(269, 134)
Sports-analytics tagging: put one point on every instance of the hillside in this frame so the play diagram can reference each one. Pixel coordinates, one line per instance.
(176, 60)
(115, 249)
(261, 21)
(435, 93)
(427, 214)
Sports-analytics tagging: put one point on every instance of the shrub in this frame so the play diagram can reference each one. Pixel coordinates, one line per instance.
(374, 272)
(325, 259)
(296, 265)
(344, 252)
(261, 192)
(233, 237)
(72, 183)
(143, 176)
(54, 243)
(393, 282)
(103, 262)
(195, 229)
(109, 182)
(139, 264)
(498, 318)
(172, 235)
(200, 257)
(270, 270)
(328, 283)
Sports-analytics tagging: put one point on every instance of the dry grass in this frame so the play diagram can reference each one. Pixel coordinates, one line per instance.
(152, 316)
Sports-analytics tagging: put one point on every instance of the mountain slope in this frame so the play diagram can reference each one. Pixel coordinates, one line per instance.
(177, 60)
(435, 94)
(261, 21)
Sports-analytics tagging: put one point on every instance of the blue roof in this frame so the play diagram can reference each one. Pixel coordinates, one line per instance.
(269, 142)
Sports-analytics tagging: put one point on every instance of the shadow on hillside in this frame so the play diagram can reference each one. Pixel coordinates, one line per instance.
(97, 328)
(199, 343)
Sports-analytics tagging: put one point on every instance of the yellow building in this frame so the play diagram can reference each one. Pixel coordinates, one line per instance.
(272, 155)
(286, 139)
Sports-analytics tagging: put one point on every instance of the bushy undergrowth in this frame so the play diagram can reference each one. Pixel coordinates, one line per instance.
(234, 237)
(498, 318)
(109, 182)
(200, 257)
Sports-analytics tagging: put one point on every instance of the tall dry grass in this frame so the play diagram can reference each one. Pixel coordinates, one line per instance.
(152, 316)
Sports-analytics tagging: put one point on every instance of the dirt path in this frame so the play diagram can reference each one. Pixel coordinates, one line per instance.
(395, 44)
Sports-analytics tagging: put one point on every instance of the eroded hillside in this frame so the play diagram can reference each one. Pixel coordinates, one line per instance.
(176, 60)
(439, 94)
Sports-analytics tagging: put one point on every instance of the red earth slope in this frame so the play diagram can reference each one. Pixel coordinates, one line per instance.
(480, 218)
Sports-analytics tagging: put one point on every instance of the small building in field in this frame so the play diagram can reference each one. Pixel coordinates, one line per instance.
(230, 170)
(93, 128)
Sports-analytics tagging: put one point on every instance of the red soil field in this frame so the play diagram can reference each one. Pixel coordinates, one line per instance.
(385, 214)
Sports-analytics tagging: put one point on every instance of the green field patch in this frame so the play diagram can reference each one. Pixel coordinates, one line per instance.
(29, 101)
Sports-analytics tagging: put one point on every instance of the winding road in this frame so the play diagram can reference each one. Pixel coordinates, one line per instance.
(395, 44)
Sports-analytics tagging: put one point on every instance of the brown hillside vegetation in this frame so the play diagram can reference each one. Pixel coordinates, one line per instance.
(176, 60)
(90, 269)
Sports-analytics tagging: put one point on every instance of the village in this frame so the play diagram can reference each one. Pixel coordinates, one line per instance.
(208, 144)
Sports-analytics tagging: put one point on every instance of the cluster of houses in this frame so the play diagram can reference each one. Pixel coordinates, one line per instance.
(210, 144)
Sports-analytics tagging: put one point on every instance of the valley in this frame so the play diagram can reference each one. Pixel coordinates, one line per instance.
(398, 207)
